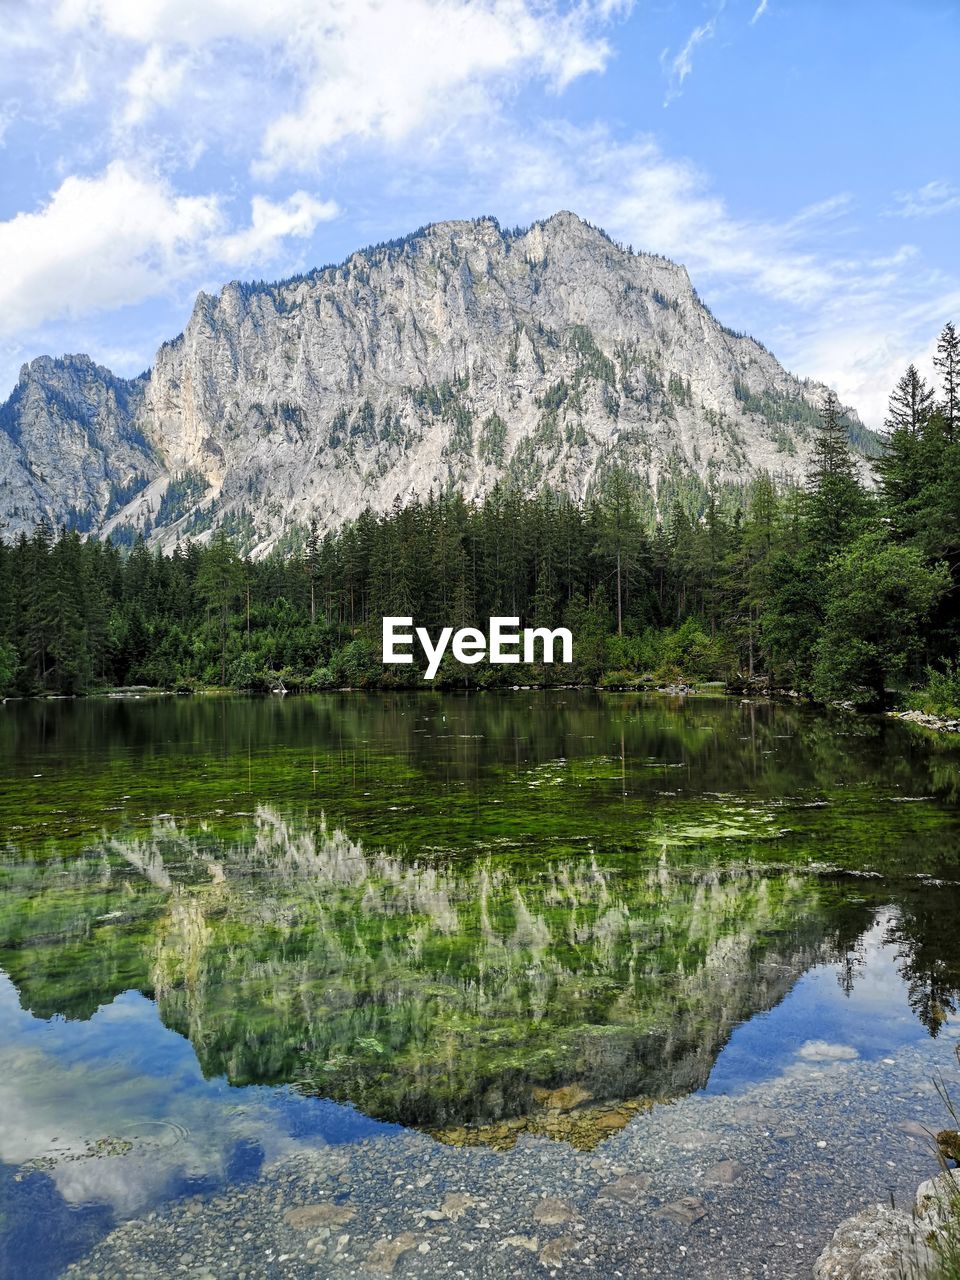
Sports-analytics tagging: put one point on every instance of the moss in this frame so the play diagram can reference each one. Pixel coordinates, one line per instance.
(447, 911)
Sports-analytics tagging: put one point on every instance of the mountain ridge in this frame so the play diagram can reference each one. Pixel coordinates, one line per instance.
(454, 358)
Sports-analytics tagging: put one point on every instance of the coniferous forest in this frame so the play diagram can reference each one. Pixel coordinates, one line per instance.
(839, 590)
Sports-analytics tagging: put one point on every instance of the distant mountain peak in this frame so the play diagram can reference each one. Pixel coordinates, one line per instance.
(458, 357)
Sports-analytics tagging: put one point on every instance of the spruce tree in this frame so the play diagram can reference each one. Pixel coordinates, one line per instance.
(620, 542)
(901, 469)
(837, 502)
(911, 402)
(947, 360)
(219, 583)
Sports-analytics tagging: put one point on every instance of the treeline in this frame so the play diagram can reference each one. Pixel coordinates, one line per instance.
(834, 589)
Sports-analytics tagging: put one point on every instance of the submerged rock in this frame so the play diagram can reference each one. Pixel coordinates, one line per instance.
(724, 1173)
(629, 1189)
(553, 1253)
(563, 1099)
(551, 1212)
(318, 1215)
(386, 1253)
(685, 1211)
(581, 1125)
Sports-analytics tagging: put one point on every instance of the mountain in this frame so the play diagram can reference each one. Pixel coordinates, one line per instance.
(458, 357)
(395, 969)
(71, 448)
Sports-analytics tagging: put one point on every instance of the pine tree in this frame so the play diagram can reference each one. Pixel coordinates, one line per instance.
(219, 583)
(947, 360)
(40, 607)
(837, 504)
(620, 541)
(910, 404)
(748, 569)
(71, 670)
(901, 469)
(312, 561)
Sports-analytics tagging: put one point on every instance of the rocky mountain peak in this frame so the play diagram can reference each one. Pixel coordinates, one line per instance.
(458, 357)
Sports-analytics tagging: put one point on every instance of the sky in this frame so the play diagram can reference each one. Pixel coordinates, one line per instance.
(799, 157)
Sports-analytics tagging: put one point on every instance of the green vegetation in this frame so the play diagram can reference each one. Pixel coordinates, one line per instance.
(493, 438)
(180, 496)
(946, 1243)
(396, 901)
(837, 591)
(940, 696)
(381, 988)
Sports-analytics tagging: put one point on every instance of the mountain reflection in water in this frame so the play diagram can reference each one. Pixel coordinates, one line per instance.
(236, 934)
(476, 996)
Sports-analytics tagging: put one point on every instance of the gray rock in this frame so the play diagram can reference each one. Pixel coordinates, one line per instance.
(459, 357)
(628, 1190)
(552, 1212)
(938, 1201)
(685, 1211)
(725, 1173)
(70, 449)
(553, 1253)
(877, 1244)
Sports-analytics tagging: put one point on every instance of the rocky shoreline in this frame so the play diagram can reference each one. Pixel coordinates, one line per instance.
(673, 1194)
(882, 1242)
(942, 724)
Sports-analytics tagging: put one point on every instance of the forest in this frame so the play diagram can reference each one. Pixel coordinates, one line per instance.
(839, 590)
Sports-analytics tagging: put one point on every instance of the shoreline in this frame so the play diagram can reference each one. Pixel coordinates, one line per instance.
(883, 1240)
(709, 689)
(940, 724)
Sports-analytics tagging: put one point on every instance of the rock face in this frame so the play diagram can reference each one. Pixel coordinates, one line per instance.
(70, 451)
(460, 356)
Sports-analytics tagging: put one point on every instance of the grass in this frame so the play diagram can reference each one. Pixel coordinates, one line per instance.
(940, 696)
(947, 1244)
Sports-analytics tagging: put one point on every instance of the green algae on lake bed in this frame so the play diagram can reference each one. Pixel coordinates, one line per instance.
(485, 917)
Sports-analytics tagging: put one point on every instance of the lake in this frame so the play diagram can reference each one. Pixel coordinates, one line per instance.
(518, 984)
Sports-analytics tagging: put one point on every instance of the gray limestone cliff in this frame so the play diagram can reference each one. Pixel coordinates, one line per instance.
(456, 358)
(70, 449)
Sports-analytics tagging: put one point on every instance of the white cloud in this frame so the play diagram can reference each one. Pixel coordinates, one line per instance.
(666, 205)
(154, 82)
(364, 70)
(72, 89)
(8, 114)
(270, 224)
(861, 348)
(681, 66)
(927, 201)
(61, 1089)
(760, 10)
(121, 237)
(98, 242)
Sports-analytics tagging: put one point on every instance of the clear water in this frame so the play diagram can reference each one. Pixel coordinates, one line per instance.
(236, 930)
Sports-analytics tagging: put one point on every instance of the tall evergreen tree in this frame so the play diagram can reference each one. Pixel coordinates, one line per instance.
(837, 505)
(902, 467)
(911, 402)
(219, 582)
(947, 360)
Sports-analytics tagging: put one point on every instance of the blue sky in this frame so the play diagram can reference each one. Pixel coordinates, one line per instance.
(799, 156)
